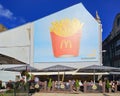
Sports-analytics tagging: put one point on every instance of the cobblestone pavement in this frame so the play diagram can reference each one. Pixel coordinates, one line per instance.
(73, 94)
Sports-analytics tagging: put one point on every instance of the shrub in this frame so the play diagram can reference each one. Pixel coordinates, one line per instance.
(108, 84)
(50, 83)
(77, 83)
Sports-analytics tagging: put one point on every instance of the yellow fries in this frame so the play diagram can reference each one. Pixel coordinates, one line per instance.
(66, 27)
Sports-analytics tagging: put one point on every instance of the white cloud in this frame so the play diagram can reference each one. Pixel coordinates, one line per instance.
(6, 13)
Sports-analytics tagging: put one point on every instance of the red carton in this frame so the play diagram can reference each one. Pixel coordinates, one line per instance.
(66, 46)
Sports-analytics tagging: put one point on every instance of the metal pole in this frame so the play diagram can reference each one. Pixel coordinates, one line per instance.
(29, 30)
(63, 76)
(113, 77)
(14, 88)
(94, 76)
(58, 80)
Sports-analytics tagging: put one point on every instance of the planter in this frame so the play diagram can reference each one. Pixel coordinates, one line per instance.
(109, 90)
(78, 88)
(49, 89)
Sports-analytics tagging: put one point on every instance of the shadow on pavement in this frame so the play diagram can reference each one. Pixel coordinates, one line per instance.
(106, 95)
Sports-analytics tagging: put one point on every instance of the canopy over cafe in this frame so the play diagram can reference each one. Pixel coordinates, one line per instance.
(70, 37)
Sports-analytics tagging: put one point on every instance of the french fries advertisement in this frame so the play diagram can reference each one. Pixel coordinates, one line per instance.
(65, 35)
(69, 35)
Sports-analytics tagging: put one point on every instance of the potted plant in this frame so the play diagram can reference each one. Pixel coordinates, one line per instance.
(32, 77)
(108, 86)
(49, 84)
(77, 85)
(25, 73)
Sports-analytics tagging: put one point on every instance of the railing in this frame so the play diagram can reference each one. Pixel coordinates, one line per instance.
(69, 87)
(60, 87)
(94, 87)
(86, 88)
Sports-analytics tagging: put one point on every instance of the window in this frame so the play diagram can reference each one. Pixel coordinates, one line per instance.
(118, 21)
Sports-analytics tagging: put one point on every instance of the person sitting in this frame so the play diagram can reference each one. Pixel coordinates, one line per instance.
(9, 85)
(113, 86)
(81, 85)
(31, 87)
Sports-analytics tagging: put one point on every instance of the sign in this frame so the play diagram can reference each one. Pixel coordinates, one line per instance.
(70, 35)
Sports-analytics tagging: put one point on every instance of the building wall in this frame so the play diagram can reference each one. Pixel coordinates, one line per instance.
(6, 59)
(89, 46)
(112, 45)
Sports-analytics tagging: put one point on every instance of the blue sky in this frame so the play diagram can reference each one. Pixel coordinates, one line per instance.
(14, 13)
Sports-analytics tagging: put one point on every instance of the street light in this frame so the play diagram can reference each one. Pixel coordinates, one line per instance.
(104, 51)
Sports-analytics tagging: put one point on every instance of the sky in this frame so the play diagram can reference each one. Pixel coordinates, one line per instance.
(14, 13)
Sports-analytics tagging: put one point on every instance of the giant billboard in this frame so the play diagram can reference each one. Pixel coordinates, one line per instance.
(70, 35)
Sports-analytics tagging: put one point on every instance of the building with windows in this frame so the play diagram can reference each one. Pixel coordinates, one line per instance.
(111, 45)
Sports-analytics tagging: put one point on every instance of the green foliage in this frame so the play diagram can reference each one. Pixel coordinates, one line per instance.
(26, 85)
(108, 84)
(21, 86)
(10, 91)
(50, 83)
(25, 73)
(7, 94)
(77, 83)
(12, 94)
(32, 77)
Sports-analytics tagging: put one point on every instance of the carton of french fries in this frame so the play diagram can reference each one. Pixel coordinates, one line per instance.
(65, 36)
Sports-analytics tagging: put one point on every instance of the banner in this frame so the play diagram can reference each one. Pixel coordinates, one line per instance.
(70, 35)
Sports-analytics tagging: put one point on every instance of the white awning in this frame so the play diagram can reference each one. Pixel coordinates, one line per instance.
(115, 73)
(68, 73)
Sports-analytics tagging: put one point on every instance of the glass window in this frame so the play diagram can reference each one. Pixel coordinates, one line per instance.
(118, 21)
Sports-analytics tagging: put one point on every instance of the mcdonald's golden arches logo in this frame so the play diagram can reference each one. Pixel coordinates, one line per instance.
(65, 44)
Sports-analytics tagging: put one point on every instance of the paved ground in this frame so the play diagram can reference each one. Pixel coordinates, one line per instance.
(73, 94)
